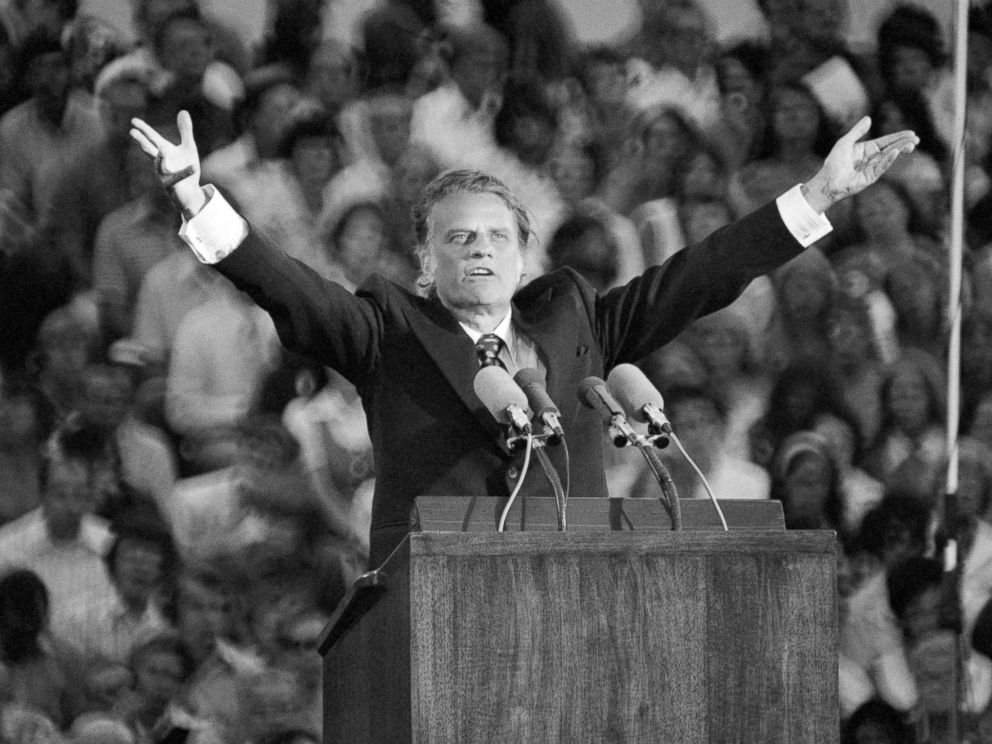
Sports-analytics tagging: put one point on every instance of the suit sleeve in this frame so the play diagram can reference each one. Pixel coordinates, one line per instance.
(640, 317)
(313, 316)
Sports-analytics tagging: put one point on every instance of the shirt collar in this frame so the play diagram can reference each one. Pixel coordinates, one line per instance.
(503, 329)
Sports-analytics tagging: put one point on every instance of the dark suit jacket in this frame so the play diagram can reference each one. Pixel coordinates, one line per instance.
(414, 366)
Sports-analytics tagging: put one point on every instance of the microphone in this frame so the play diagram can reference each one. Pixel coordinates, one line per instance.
(639, 396)
(593, 393)
(531, 381)
(503, 398)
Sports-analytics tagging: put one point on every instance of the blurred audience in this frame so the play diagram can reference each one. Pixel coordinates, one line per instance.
(182, 504)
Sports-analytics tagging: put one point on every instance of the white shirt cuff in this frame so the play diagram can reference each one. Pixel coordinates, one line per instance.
(216, 230)
(806, 225)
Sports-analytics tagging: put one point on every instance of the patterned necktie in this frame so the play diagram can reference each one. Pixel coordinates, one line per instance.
(487, 348)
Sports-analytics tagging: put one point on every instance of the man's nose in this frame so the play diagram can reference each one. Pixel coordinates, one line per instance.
(481, 246)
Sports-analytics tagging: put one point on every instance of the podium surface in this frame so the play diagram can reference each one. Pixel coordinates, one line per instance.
(633, 636)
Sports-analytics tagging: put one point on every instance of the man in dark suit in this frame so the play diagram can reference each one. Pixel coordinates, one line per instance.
(413, 357)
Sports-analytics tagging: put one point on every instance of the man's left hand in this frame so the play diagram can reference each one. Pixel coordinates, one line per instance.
(852, 166)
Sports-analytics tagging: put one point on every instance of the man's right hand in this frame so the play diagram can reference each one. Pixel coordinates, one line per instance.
(178, 166)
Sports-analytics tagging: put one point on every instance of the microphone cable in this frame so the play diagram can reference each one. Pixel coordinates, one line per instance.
(706, 485)
(661, 474)
(520, 482)
(561, 494)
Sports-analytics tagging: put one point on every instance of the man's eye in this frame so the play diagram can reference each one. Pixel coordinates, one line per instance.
(460, 238)
(497, 235)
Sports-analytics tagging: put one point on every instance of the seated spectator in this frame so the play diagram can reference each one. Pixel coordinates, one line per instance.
(856, 361)
(578, 171)
(798, 137)
(660, 144)
(38, 136)
(333, 81)
(456, 119)
(673, 66)
(131, 459)
(800, 393)
(221, 84)
(290, 189)
(805, 478)
(26, 419)
(921, 174)
(96, 179)
(213, 512)
(169, 290)
(887, 227)
(31, 675)
(859, 491)
(583, 243)
(917, 290)
(129, 241)
(291, 36)
(805, 290)
(210, 619)
(66, 343)
(870, 638)
(141, 563)
(221, 353)
(62, 541)
(910, 448)
(973, 531)
(326, 417)
(699, 417)
(915, 595)
(605, 117)
(527, 123)
(741, 74)
(159, 665)
(413, 170)
(262, 118)
(360, 244)
(182, 46)
(723, 342)
(912, 59)
(298, 637)
(272, 703)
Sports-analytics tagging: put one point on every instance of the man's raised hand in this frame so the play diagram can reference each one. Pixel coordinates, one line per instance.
(852, 166)
(178, 166)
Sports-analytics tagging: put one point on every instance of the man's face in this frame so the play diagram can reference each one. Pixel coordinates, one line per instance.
(476, 248)
(204, 616)
(137, 568)
(68, 495)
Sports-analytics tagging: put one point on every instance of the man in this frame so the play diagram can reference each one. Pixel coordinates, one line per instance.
(412, 358)
(140, 564)
(62, 541)
(96, 179)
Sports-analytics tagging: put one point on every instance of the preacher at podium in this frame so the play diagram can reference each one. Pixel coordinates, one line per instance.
(413, 356)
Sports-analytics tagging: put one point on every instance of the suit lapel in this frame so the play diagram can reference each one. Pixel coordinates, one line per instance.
(452, 351)
(542, 323)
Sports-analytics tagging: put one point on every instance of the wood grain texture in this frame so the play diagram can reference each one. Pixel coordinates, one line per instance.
(622, 637)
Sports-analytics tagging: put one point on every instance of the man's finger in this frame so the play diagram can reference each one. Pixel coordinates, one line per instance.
(144, 143)
(903, 141)
(160, 142)
(185, 123)
(858, 131)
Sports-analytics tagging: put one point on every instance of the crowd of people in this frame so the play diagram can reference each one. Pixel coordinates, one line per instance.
(183, 503)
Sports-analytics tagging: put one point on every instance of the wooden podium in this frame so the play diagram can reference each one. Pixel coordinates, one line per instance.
(629, 633)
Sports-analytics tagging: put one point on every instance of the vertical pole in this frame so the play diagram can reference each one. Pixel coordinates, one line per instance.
(952, 562)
